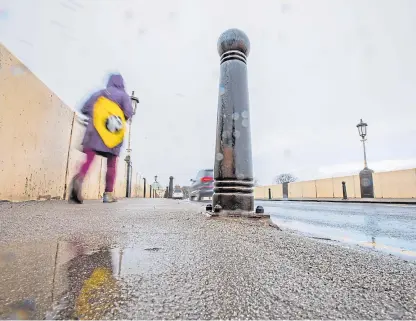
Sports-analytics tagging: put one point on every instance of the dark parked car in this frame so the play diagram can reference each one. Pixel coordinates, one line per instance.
(202, 185)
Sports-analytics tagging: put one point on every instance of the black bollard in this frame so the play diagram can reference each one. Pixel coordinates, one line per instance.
(270, 193)
(129, 175)
(144, 188)
(344, 191)
(233, 169)
(150, 194)
(170, 186)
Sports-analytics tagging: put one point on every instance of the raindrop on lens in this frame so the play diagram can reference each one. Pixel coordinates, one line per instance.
(222, 90)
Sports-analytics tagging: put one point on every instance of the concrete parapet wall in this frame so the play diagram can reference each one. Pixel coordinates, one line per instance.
(295, 190)
(35, 128)
(395, 184)
(41, 141)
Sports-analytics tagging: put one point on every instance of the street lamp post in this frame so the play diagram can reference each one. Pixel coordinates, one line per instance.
(366, 175)
(362, 131)
(156, 189)
(134, 103)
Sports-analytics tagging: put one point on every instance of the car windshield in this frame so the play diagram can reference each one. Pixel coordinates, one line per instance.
(178, 191)
(209, 172)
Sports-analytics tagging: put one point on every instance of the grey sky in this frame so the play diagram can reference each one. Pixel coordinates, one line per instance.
(315, 68)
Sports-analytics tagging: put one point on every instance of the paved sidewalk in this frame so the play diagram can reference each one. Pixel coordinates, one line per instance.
(164, 259)
(410, 201)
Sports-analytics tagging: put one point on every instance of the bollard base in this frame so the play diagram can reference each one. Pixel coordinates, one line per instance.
(234, 201)
(238, 214)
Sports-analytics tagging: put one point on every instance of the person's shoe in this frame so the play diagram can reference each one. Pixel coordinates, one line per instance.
(75, 195)
(109, 198)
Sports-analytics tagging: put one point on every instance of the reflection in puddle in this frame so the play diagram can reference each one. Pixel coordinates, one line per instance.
(135, 261)
(93, 280)
(372, 239)
(91, 287)
(22, 310)
(72, 279)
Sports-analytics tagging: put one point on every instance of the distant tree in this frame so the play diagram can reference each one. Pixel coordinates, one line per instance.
(285, 178)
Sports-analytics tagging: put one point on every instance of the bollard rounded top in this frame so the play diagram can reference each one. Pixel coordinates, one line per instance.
(233, 39)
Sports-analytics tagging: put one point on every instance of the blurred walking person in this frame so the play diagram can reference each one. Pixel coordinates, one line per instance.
(107, 111)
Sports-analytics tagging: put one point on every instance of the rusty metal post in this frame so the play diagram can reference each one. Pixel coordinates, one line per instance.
(233, 169)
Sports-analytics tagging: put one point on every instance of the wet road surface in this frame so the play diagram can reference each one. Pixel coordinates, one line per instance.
(384, 227)
(164, 259)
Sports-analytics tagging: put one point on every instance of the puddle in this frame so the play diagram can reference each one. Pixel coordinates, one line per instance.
(67, 280)
(399, 247)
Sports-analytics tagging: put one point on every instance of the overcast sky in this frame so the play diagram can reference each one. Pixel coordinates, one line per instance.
(315, 68)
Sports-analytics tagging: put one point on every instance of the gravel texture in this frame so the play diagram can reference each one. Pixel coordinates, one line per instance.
(169, 261)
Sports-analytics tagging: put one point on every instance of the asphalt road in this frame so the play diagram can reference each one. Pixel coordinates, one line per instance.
(164, 259)
(384, 227)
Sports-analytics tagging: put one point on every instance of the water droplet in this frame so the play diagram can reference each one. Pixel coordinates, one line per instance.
(237, 134)
(244, 114)
(285, 7)
(219, 157)
(225, 134)
(17, 70)
(3, 14)
(222, 90)
(128, 14)
(236, 116)
(245, 123)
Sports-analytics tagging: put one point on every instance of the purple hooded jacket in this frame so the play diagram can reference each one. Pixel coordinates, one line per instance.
(115, 92)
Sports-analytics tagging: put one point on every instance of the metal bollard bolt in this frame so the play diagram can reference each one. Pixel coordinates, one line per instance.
(217, 208)
(259, 210)
(208, 208)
